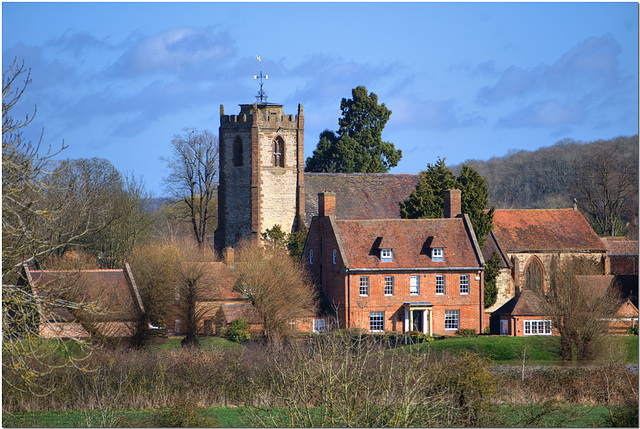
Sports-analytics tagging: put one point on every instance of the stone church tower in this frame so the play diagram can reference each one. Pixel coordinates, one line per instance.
(261, 172)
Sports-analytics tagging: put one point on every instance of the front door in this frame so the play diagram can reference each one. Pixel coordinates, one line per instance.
(504, 327)
(417, 320)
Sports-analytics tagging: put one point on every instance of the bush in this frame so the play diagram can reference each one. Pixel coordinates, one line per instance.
(466, 333)
(183, 415)
(419, 337)
(238, 331)
(632, 331)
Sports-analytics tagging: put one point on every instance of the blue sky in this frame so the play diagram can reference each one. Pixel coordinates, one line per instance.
(463, 80)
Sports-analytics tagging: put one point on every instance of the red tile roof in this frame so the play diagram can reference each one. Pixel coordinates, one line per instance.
(544, 230)
(620, 246)
(526, 303)
(110, 289)
(359, 196)
(360, 243)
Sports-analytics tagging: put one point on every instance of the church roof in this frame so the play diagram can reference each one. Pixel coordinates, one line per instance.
(359, 195)
(620, 246)
(544, 231)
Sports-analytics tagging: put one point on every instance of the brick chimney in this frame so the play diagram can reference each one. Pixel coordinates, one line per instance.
(452, 203)
(228, 256)
(327, 204)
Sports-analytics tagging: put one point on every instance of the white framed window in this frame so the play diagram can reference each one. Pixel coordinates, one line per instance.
(386, 255)
(376, 321)
(364, 286)
(414, 285)
(451, 319)
(437, 254)
(335, 255)
(464, 284)
(319, 325)
(537, 327)
(176, 293)
(311, 257)
(388, 285)
(440, 286)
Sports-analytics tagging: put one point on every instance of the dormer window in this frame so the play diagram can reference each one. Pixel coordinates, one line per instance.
(386, 255)
(437, 254)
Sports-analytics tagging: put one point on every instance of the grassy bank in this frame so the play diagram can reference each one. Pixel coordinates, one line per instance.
(535, 348)
(535, 415)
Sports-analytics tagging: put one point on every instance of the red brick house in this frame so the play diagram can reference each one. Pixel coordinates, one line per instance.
(114, 293)
(524, 314)
(398, 275)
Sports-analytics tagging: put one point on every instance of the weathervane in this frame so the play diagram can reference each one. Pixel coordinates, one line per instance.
(262, 96)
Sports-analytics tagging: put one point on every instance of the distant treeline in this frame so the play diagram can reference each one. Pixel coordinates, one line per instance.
(554, 176)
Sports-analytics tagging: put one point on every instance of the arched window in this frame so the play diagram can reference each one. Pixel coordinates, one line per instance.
(534, 274)
(278, 152)
(237, 152)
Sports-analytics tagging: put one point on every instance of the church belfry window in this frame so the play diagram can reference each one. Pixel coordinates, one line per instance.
(237, 152)
(278, 152)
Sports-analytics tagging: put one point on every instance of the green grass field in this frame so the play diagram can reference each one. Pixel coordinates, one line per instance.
(539, 415)
(506, 348)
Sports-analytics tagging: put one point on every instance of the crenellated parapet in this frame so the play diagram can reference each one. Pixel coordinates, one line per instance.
(263, 113)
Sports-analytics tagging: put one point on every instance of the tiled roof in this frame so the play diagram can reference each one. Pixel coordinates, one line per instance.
(620, 246)
(490, 247)
(362, 239)
(526, 303)
(110, 289)
(245, 311)
(544, 230)
(359, 196)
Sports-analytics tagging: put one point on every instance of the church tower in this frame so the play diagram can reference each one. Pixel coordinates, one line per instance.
(261, 172)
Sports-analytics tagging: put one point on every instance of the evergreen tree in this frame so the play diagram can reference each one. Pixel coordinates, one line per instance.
(357, 147)
(491, 271)
(427, 200)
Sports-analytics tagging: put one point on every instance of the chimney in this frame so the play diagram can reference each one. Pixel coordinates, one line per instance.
(228, 256)
(327, 204)
(452, 203)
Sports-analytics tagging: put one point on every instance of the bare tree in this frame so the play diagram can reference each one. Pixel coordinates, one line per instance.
(30, 233)
(197, 282)
(607, 185)
(279, 289)
(193, 178)
(579, 309)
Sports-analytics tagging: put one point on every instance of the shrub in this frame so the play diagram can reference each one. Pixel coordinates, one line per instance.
(238, 331)
(632, 331)
(419, 337)
(183, 415)
(466, 333)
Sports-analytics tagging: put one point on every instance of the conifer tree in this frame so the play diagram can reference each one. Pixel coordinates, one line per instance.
(427, 200)
(357, 147)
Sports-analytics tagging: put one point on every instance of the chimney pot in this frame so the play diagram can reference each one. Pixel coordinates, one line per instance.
(228, 256)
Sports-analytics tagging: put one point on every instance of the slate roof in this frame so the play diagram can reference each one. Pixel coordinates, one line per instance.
(112, 290)
(360, 241)
(359, 195)
(545, 231)
(620, 246)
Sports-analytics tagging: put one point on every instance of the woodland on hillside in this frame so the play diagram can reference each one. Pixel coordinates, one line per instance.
(600, 177)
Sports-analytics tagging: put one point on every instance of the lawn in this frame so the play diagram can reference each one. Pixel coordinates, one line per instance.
(536, 415)
(507, 348)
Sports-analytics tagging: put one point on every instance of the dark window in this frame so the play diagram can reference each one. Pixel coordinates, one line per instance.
(534, 273)
(278, 152)
(237, 152)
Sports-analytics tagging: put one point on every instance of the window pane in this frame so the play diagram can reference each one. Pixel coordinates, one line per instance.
(451, 319)
(464, 284)
(364, 286)
(414, 285)
(440, 286)
(388, 285)
(376, 321)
